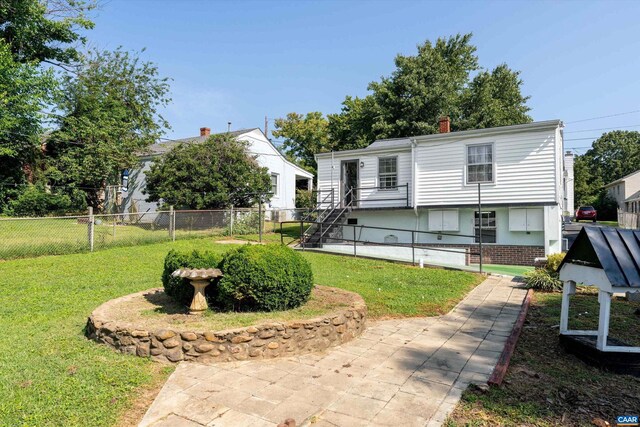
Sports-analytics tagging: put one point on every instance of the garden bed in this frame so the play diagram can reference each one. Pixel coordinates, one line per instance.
(546, 386)
(149, 323)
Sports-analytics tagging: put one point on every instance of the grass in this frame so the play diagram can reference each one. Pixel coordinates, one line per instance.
(544, 385)
(59, 236)
(50, 374)
(609, 223)
(509, 270)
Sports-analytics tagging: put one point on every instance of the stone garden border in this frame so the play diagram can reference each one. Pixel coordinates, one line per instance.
(266, 340)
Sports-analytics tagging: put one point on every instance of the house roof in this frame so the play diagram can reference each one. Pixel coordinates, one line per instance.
(163, 147)
(634, 197)
(614, 250)
(618, 181)
(405, 143)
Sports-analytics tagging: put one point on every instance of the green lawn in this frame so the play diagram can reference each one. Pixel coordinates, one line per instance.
(508, 270)
(50, 374)
(545, 386)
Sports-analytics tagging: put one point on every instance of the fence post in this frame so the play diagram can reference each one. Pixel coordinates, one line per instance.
(281, 238)
(354, 242)
(90, 228)
(231, 223)
(413, 249)
(172, 223)
(302, 235)
(114, 226)
(260, 221)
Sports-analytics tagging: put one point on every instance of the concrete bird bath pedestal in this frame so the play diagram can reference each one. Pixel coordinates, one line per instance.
(200, 279)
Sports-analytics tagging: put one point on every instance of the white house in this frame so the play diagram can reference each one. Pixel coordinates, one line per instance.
(286, 177)
(626, 192)
(430, 183)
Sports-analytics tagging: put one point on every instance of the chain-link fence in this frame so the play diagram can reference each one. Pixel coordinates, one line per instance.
(28, 237)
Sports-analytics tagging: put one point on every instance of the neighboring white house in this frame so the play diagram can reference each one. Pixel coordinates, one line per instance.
(430, 183)
(286, 177)
(626, 191)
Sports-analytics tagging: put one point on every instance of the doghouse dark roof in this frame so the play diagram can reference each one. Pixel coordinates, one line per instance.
(614, 250)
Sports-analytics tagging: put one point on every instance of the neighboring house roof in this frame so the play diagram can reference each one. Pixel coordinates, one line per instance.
(405, 143)
(163, 147)
(624, 178)
(616, 251)
(634, 197)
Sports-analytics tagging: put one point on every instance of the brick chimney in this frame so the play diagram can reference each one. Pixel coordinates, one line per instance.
(205, 131)
(445, 124)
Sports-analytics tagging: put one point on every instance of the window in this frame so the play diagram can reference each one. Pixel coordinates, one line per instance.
(125, 180)
(274, 184)
(479, 163)
(388, 173)
(488, 226)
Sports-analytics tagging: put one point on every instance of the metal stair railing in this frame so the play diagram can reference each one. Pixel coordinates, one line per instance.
(347, 206)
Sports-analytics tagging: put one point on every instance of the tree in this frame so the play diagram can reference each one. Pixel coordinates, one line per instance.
(612, 156)
(303, 136)
(109, 116)
(24, 92)
(435, 82)
(494, 99)
(215, 174)
(44, 30)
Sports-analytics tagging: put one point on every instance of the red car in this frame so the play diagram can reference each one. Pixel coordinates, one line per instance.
(586, 213)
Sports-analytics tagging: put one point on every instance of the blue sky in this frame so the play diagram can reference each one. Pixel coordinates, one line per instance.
(241, 60)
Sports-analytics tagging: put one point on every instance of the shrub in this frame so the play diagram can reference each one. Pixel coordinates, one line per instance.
(35, 201)
(546, 278)
(180, 289)
(553, 262)
(245, 223)
(540, 279)
(264, 278)
(305, 199)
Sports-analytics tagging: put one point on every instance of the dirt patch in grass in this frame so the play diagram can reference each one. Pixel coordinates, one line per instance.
(546, 386)
(144, 397)
(153, 310)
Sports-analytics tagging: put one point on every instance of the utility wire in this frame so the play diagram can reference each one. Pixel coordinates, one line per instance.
(603, 117)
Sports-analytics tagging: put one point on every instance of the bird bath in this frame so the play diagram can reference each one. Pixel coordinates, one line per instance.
(200, 279)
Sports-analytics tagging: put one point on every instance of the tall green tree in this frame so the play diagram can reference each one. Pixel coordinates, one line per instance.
(436, 81)
(25, 90)
(45, 30)
(304, 135)
(611, 157)
(494, 99)
(215, 174)
(109, 115)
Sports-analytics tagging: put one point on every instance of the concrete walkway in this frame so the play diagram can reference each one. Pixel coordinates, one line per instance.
(399, 372)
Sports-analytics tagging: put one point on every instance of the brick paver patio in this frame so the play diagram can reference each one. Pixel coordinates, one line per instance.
(398, 373)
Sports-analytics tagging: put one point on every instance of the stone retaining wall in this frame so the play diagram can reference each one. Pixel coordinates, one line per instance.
(262, 341)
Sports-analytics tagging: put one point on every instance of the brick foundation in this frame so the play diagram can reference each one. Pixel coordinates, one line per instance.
(499, 254)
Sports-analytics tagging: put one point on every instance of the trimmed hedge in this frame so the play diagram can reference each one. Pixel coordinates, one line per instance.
(264, 278)
(180, 289)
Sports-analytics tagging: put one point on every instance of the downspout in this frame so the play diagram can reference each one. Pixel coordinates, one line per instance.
(414, 184)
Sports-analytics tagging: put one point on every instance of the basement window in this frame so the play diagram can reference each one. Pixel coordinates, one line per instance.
(488, 219)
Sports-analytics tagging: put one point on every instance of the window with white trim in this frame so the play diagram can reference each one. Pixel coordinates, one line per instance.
(479, 163)
(488, 219)
(274, 184)
(388, 173)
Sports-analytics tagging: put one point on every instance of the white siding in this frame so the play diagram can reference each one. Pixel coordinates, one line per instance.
(526, 167)
(370, 197)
